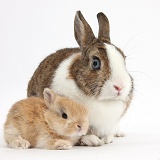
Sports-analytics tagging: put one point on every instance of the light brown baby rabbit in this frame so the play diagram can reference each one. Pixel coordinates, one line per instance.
(53, 123)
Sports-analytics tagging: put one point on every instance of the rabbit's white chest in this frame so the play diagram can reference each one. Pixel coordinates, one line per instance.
(104, 116)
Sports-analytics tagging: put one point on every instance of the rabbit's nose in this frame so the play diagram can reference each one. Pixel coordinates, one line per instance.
(117, 87)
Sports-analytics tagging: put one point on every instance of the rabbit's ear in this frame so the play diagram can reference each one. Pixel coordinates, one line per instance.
(82, 31)
(104, 29)
(49, 97)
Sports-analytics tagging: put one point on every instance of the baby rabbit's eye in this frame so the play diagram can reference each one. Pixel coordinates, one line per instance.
(96, 63)
(64, 115)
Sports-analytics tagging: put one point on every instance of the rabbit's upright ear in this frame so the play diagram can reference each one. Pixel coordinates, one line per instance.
(104, 29)
(82, 31)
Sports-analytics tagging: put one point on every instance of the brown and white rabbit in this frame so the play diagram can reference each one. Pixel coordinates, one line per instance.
(94, 75)
(52, 123)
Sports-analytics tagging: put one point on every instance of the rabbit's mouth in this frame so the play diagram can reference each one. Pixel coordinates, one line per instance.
(118, 95)
(109, 93)
(78, 133)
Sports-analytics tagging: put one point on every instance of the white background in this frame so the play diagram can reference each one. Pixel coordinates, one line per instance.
(32, 29)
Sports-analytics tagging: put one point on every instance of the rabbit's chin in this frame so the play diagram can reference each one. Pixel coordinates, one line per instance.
(113, 96)
(116, 97)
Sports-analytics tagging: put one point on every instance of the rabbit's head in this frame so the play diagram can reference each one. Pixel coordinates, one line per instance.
(100, 70)
(64, 116)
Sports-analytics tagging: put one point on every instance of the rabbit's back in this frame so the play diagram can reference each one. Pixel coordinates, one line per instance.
(44, 74)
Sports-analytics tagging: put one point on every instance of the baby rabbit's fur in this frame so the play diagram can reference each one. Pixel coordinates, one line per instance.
(53, 123)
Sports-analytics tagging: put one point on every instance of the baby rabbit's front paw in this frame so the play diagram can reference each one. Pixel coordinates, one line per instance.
(19, 143)
(91, 140)
(62, 145)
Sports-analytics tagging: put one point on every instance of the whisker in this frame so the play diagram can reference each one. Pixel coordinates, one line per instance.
(143, 73)
(130, 40)
(130, 50)
(133, 53)
(130, 58)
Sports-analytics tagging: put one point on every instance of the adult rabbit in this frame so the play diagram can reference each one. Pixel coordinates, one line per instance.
(94, 75)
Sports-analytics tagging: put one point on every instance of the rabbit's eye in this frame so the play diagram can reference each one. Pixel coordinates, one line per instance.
(64, 115)
(96, 63)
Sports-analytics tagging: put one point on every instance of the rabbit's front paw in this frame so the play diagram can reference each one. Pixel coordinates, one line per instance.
(19, 143)
(62, 145)
(108, 139)
(119, 134)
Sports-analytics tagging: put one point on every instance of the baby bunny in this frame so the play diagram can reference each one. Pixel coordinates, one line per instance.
(53, 123)
(95, 75)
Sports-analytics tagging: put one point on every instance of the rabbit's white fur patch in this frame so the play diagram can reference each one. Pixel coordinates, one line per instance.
(119, 76)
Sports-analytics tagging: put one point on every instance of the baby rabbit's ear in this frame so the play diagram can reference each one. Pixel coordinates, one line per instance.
(82, 31)
(49, 97)
(104, 29)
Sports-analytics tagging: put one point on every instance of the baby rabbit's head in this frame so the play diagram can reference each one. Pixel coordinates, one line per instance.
(64, 116)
